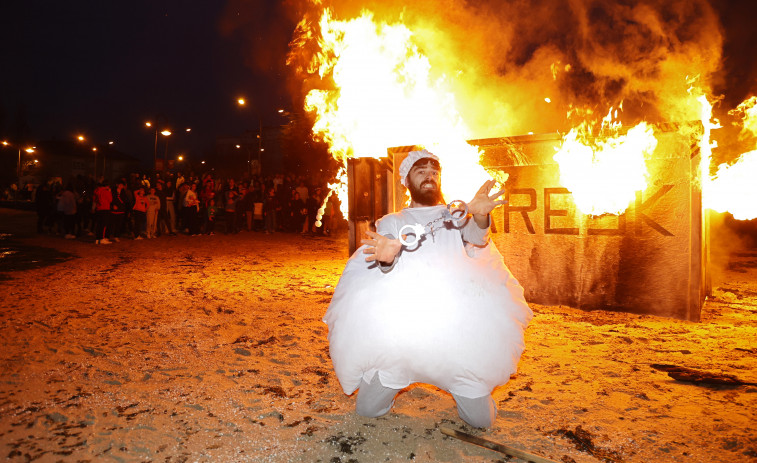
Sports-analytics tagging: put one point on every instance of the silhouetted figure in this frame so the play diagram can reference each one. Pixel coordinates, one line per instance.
(44, 202)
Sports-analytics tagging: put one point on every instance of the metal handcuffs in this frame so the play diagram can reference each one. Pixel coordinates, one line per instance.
(456, 213)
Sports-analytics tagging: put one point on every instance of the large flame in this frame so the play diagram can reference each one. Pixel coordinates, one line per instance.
(746, 111)
(733, 188)
(384, 95)
(376, 89)
(604, 172)
(706, 144)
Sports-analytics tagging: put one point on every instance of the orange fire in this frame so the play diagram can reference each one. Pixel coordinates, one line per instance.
(604, 172)
(384, 95)
(747, 113)
(376, 89)
(733, 188)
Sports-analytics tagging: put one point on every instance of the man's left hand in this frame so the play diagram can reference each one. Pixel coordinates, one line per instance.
(483, 203)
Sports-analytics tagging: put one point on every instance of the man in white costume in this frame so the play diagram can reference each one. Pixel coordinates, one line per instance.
(442, 309)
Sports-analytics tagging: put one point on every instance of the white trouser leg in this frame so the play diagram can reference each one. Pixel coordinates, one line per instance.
(480, 412)
(374, 399)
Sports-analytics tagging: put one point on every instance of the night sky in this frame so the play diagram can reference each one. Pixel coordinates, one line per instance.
(103, 68)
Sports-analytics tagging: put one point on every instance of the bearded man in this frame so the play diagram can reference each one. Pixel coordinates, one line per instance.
(442, 310)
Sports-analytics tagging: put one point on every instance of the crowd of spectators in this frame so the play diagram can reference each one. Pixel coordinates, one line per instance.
(147, 207)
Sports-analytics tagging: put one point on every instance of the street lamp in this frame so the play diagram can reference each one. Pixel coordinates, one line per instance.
(28, 150)
(155, 147)
(110, 142)
(82, 139)
(165, 133)
(95, 150)
(242, 102)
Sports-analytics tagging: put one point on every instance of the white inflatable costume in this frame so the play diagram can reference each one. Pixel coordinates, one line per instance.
(448, 313)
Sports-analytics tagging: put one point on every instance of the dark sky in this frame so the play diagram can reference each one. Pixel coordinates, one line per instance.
(103, 68)
(739, 20)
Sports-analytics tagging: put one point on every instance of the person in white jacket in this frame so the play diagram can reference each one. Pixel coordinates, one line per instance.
(153, 207)
(440, 309)
(192, 210)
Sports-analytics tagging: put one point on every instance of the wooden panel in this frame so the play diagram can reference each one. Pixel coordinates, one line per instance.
(650, 259)
(370, 195)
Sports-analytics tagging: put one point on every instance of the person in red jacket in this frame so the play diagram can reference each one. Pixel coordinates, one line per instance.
(140, 212)
(103, 196)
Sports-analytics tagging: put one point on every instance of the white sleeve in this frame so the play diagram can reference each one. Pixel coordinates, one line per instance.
(475, 235)
(388, 226)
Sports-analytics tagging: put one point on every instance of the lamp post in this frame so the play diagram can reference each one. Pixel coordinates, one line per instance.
(155, 147)
(95, 150)
(109, 143)
(28, 150)
(166, 133)
(18, 167)
(242, 102)
(260, 146)
(154, 126)
(82, 139)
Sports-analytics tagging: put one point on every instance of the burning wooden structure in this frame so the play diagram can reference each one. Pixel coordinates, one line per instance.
(650, 259)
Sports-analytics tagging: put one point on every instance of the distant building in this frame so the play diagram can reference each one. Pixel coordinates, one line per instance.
(69, 159)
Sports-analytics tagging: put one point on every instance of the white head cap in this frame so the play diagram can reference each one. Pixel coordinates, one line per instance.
(410, 160)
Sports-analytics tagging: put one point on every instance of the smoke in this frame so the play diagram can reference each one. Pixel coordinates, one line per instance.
(738, 78)
(504, 59)
(727, 238)
(262, 30)
(264, 39)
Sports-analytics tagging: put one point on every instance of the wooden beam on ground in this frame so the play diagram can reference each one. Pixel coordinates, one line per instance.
(510, 451)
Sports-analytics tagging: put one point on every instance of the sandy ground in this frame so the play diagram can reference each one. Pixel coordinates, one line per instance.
(212, 349)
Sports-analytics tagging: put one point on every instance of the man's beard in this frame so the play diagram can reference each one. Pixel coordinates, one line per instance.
(426, 197)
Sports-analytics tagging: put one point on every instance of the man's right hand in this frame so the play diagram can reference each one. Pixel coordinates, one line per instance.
(380, 248)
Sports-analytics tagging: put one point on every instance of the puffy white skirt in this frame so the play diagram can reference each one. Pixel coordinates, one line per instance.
(456, 323)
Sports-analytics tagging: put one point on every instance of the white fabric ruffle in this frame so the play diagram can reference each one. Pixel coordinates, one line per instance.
(446, 314)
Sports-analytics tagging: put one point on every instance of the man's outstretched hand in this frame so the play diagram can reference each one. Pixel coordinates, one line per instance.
(483, 203)
(380, 248)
